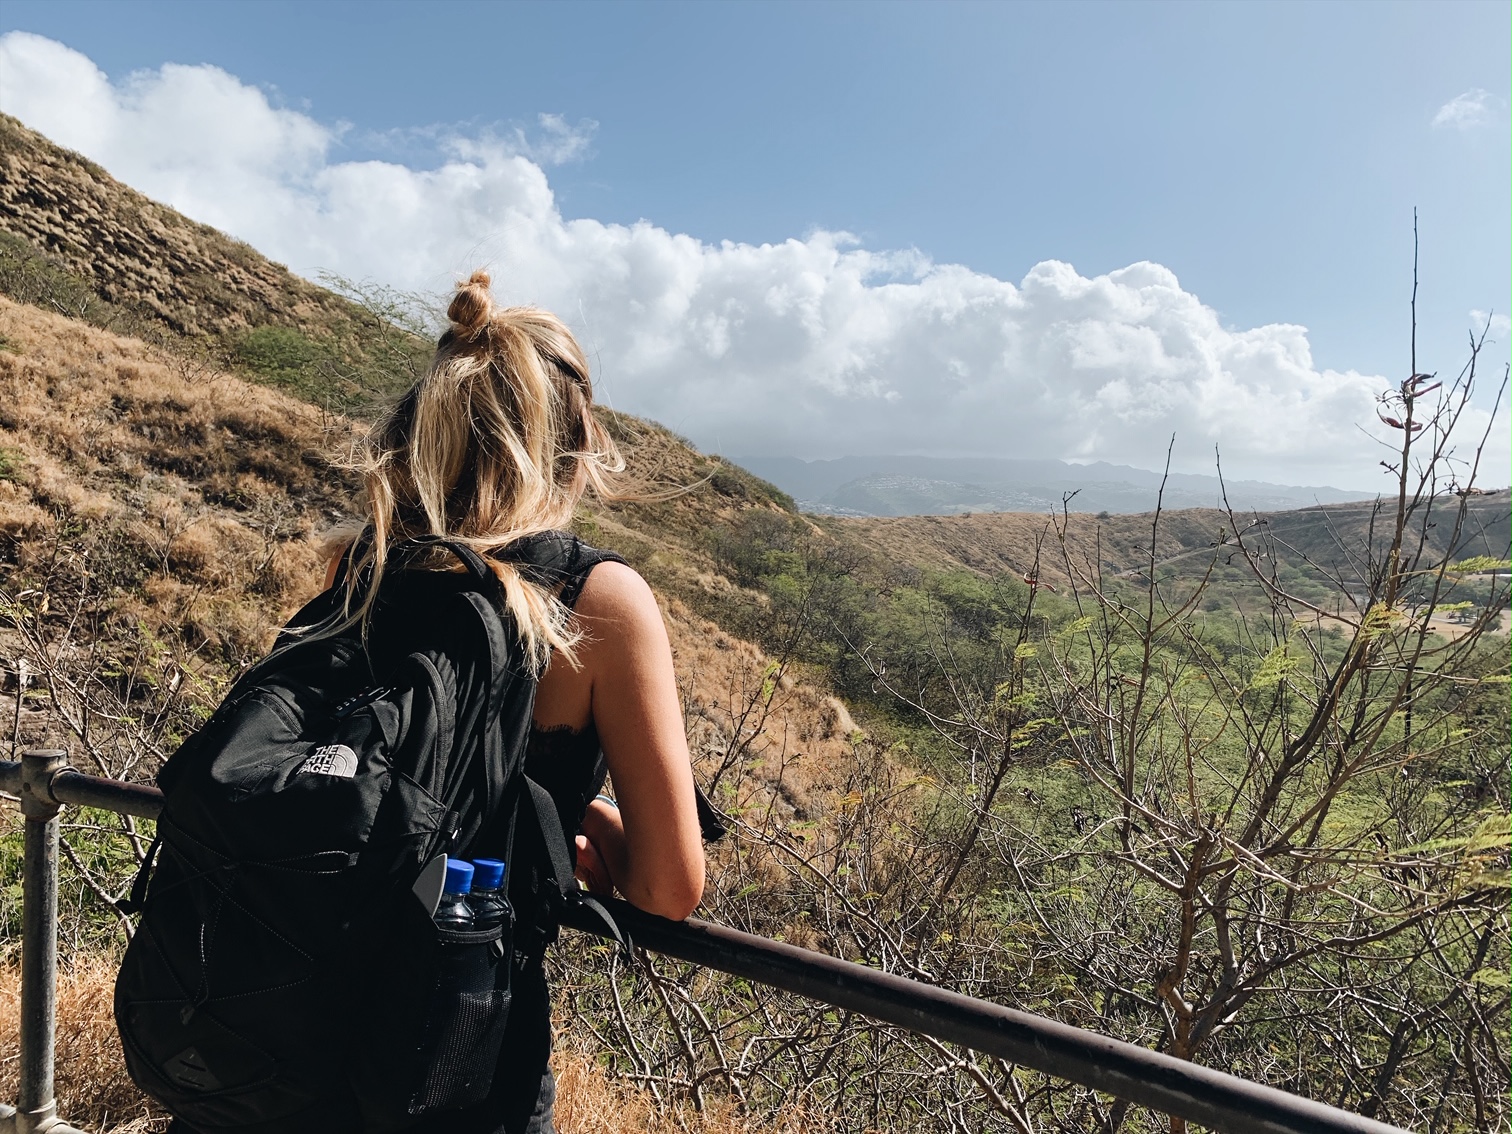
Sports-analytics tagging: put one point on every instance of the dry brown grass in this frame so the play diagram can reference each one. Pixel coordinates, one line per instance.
(162, 523)
(94, 1091)
(143, 256)
(591, 1102)
(796, 736)
(88, 409)
(207, 492)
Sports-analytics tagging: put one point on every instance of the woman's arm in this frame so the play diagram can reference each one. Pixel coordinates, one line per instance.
(651, 846)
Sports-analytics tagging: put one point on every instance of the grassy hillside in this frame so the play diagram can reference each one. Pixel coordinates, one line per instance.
(75, 241)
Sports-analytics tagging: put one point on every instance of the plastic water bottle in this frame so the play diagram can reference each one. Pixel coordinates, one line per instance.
(454, 912)
(490, 902)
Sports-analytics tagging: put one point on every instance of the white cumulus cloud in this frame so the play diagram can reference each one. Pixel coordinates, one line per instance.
(1466, 111)
(1496, 325)
(559, 141)
(814, 346)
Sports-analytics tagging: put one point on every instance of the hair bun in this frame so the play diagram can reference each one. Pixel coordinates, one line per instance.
(472, 306)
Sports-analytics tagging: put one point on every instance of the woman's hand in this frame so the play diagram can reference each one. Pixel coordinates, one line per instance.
(600, 848)
(591, 871)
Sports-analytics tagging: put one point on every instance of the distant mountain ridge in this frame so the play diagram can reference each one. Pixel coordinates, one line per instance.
(947, 486)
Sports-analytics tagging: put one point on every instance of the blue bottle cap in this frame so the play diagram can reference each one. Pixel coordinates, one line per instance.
(459, 876)
(488, 873)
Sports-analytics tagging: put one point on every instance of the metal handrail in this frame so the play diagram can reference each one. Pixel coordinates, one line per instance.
(44, 782)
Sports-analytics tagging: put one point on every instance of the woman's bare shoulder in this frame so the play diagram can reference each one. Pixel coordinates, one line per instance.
(615, 592)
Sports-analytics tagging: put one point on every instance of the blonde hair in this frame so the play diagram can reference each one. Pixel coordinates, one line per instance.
(497, 441)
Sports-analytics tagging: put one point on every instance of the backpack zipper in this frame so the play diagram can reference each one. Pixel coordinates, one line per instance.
(360, 700)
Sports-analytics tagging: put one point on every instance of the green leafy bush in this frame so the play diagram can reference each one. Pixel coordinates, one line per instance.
(279, 354)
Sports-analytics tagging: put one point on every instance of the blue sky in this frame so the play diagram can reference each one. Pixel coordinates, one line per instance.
(1268, 155)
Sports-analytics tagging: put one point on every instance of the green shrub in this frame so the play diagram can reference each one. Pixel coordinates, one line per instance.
(278, 354)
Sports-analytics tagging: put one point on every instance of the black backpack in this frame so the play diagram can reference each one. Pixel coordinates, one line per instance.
(284, 976)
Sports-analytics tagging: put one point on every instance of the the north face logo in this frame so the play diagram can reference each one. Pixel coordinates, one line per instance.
(331, 760)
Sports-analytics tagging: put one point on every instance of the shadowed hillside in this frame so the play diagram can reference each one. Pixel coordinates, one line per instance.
(141, 257)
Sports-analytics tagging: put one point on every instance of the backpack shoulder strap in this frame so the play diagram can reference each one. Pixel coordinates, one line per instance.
(560, 561)
(563, 890)
(557, 559)
(509, 685)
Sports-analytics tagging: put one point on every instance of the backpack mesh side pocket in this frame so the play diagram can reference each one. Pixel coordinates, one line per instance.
(427, 1035)
(465, 1018)
(460, 1069)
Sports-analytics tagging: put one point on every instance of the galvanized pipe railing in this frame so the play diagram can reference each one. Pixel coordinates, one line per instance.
(32, 779)
(44, 781)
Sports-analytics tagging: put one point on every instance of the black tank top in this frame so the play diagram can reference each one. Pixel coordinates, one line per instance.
(570, 765)
(567, 763)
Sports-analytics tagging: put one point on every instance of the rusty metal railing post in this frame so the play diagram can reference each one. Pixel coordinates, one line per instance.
(36, 1110)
